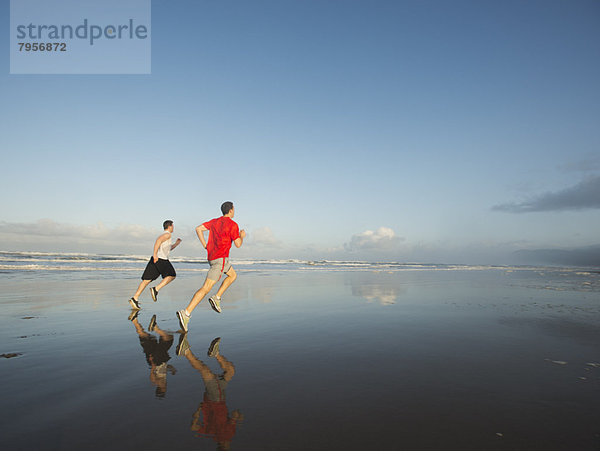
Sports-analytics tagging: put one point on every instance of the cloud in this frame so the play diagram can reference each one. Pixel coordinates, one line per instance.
(584, 195)
(583, 256)
(46, 234)
(98, 231)
(589, 164)
(382, 239)
(264, 237)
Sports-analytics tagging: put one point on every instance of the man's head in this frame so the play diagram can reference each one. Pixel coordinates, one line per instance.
(227, 208)
(167, 224)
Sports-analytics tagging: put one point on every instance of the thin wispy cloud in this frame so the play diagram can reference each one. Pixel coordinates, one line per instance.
(584, 195)
(49, 235)
(589, 164)
(98, 231)
(264, 237)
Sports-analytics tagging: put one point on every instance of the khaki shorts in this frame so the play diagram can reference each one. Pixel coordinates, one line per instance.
(217, 268)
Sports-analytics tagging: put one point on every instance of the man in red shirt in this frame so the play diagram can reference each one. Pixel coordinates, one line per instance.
(222, 232)
(212, 418)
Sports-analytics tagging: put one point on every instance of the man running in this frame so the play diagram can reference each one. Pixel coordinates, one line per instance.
(158, 265)
(222, 232)
(157, 352)
(212, 418)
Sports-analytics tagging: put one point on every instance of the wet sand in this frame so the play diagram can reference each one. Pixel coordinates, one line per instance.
(307, 360)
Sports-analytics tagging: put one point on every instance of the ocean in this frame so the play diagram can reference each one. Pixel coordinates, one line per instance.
(23, 262)
(78, 266)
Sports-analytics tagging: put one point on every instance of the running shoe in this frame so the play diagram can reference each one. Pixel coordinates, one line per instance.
(183, 320)
(183, 345)
(133, 315)
(154, 294)
(213, 349)
(215, 303)
(134, 304)
(152, 324)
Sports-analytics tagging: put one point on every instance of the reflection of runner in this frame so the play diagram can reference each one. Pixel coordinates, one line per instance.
(222, 232)
(157, 352)
(158, 265)
(212, 418)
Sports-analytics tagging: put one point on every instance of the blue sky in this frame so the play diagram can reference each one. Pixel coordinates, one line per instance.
(397, 130)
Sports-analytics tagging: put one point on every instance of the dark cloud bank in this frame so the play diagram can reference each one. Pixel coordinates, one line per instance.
(584, 256)
(584, 195)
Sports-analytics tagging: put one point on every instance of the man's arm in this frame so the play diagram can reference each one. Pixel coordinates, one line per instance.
(200, 232)
(238, 242)
(160, 240)
(176, 243)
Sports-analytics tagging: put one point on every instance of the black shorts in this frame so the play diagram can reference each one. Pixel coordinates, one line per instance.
(157, 351)
(162, 268)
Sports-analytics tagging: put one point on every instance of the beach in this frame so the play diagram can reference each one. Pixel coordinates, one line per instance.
(323, 356)
(408, 193)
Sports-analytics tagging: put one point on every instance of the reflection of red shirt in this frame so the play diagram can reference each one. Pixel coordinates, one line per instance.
(216, 422)
(223, 231)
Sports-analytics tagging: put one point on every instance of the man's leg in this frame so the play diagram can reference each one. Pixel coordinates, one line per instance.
(141, 288)
(199, 295)
(164, 335)
(226, 366)
(209, 282)
(215, 301)
(139, 329)
(150, 273)
(231, 276)
(200, 366)
(167, 280)
(184, 315)
(168, 275)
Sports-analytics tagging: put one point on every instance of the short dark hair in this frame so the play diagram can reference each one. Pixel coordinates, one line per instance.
(167, 224)
(226, 207)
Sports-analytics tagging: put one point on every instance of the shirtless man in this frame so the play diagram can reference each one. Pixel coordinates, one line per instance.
(158, 265)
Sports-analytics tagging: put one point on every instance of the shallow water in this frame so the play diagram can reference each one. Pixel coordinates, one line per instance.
(322, 360)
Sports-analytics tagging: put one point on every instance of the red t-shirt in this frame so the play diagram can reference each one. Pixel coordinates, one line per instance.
(223, 231)
(217, 423)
